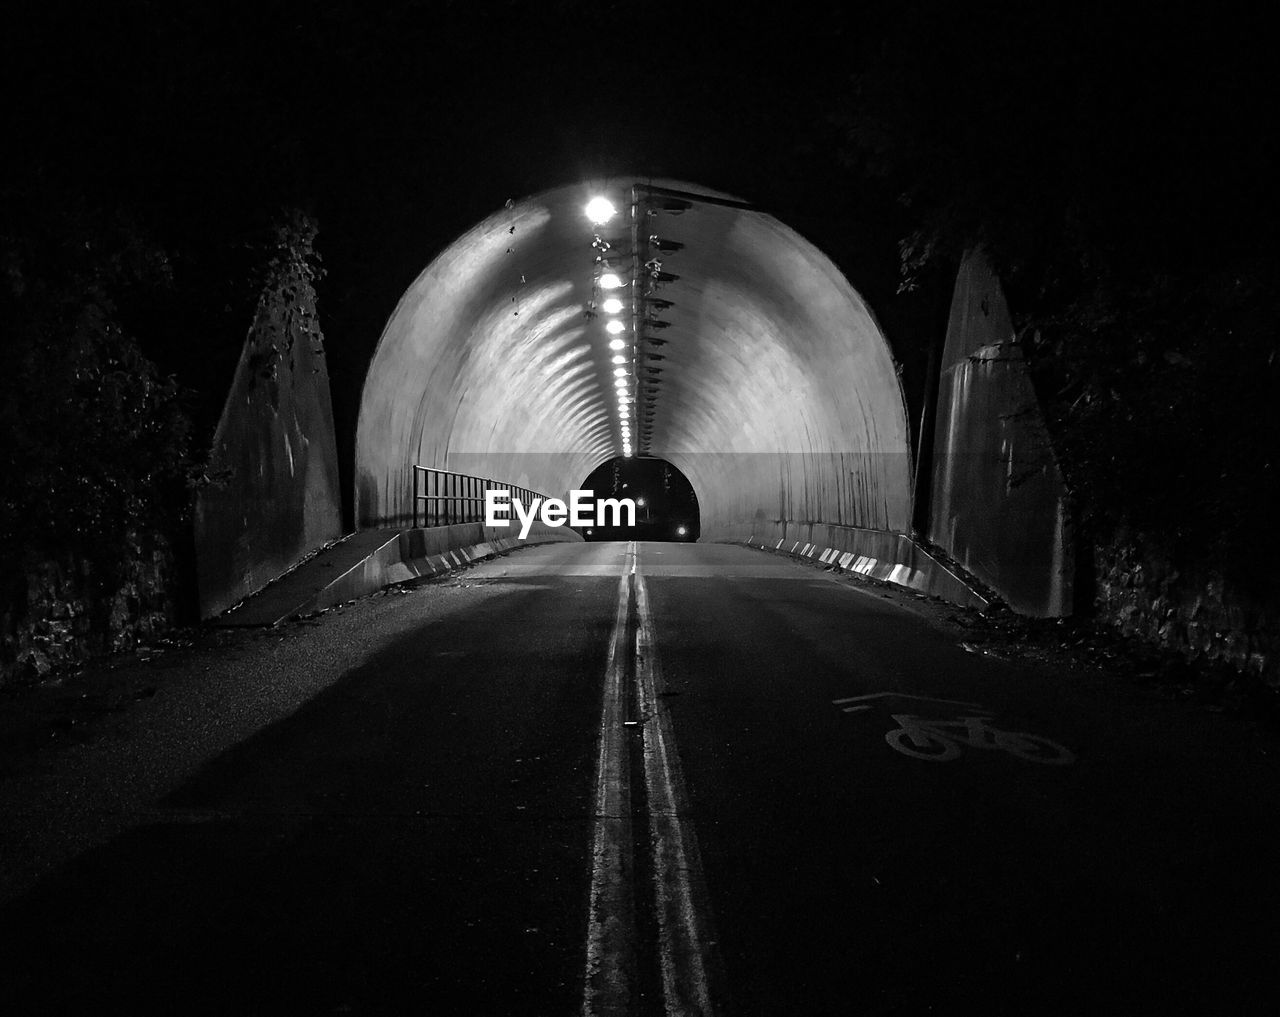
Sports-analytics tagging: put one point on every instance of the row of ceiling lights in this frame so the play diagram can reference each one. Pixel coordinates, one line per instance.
(600, 210)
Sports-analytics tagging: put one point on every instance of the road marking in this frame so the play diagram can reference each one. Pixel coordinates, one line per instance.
(688, 957)
(611, 924)
(902, 695)
(939, 741)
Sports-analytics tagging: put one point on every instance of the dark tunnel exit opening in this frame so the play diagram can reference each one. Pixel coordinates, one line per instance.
(666, 505)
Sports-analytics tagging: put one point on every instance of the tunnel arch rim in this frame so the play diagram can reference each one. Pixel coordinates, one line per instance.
(585, 187)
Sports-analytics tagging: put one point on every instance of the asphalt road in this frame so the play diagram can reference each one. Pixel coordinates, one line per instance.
(398, 811)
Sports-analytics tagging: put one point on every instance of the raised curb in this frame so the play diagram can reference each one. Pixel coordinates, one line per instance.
(402, 556)
(915, 568)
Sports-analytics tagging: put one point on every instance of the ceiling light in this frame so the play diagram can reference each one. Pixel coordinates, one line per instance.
(619, 372)
(612, 306)
(619, 359)
(617, 344)
(600, 210)
(609, 281)
(613, 326)
(619, 382)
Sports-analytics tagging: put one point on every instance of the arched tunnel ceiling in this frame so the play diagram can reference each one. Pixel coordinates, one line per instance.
(753, 364)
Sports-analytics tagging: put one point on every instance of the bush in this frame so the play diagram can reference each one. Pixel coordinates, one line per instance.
(95, 442)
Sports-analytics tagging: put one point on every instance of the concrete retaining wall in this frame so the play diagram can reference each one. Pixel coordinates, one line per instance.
(275, 444)
(998, 501)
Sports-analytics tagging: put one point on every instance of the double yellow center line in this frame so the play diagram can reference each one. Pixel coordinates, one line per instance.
(689, 971)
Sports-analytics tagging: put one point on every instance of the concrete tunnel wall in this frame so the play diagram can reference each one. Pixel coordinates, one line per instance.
(777, 394)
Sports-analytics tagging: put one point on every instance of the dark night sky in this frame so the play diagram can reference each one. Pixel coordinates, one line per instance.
(401, 124)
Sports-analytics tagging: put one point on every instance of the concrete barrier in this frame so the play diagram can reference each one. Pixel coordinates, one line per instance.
(371, 560)
(875, 554)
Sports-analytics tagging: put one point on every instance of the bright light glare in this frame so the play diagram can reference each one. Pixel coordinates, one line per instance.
(612, 306)
(680, 531)
(617, 344)
(619, 372)
(613, 326)
(619, 359)
(600, 210)
(619, 382)
(640, 502)
(609, 281)
(627, 453)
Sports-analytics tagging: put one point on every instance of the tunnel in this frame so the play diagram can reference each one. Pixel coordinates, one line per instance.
(687, 326)
(666, 503)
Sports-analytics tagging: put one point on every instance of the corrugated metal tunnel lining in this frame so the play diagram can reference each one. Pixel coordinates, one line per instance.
(759, 371)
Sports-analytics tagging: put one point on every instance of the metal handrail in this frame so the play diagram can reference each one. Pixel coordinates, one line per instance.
(443, 497)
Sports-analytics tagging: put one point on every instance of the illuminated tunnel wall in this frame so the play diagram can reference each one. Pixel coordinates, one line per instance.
(769, 383)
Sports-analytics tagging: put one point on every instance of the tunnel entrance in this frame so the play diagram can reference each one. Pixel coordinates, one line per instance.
(666, 505)
(700, 332)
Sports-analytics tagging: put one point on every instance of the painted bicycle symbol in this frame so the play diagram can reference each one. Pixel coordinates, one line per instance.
(939, 741)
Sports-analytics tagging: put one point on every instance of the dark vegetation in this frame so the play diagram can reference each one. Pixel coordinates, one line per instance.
(1119, 170)
(96, 442)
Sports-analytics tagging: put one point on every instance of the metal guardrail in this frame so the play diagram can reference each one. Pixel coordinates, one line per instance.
(442, 497)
